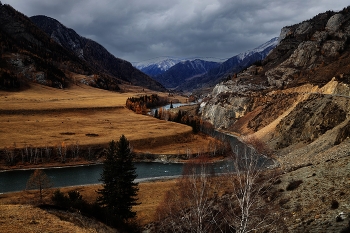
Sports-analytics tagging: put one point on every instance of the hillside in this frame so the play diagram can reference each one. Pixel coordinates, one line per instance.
(94, 54)
(297, 99)
(297, 102)
(29, 55)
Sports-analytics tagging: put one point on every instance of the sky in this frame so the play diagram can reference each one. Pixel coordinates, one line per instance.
(139, 30)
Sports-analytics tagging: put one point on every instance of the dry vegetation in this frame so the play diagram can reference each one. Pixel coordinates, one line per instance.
(27, 218)
(42, 116)
(150, 196)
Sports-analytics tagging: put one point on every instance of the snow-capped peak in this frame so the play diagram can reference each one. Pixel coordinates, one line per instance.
(271, 43)
(162, 63)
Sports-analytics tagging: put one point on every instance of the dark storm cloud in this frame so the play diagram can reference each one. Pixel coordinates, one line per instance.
(138, 30)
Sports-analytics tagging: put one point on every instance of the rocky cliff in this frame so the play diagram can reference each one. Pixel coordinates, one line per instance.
(298, 99)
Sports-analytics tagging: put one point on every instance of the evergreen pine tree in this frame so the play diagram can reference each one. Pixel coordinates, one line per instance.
(119, 191)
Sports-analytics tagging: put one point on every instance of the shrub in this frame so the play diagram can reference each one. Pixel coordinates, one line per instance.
(293, 185)
(334, 204)
(60, 199)
(74, 196)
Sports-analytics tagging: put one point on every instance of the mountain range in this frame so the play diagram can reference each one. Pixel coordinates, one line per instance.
(156, 66)
(228, 68)
(197, 73)
(50, 53)
(93, 53)
(181, 72)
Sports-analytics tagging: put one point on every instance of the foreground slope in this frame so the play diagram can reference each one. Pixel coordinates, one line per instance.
(27, 218)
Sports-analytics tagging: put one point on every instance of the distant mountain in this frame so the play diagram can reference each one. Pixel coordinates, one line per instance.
(94, 54)
(183, 71)
(232, 65)
(156, 66)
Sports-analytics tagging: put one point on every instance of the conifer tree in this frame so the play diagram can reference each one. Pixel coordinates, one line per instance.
(119, 191)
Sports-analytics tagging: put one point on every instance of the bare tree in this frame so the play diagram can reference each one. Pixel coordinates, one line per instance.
(189, 206)
(10, 154)
(48, 152)
(250, 207)
(39, 180)
(75, 150)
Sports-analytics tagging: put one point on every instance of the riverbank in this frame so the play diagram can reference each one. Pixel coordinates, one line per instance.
(316, 214)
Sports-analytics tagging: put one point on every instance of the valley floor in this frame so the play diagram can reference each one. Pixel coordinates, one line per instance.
(47, 119)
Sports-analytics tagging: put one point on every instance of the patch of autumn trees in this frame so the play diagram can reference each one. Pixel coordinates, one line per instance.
(140, 105)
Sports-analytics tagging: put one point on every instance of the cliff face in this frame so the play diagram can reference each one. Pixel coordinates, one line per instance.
(298, 100)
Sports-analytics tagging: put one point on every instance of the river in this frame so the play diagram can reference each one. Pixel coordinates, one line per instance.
(11, 181)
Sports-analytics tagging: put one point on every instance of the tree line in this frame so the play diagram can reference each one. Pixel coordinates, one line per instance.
(62, 152)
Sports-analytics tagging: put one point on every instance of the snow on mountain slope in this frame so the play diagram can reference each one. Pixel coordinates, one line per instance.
(157, 65)
(271, 43)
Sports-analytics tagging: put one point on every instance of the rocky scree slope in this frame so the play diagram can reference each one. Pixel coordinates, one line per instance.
(298, 99)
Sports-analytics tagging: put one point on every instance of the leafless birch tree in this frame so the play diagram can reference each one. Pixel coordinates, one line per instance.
(189, 206)
(250, 208)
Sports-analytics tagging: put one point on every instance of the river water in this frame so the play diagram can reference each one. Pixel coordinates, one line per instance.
(11, 181)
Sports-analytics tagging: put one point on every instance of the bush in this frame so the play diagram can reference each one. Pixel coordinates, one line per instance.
(334, 204)
(60, 199)
(293, 185)
(74, 196)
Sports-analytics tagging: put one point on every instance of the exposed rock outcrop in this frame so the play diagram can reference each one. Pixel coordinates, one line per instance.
(298, 100)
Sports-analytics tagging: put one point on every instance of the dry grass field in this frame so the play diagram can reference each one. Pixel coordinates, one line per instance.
(41, 116)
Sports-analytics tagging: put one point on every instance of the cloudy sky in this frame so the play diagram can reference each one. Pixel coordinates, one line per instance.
(138, 30)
